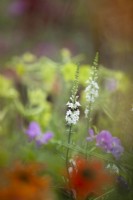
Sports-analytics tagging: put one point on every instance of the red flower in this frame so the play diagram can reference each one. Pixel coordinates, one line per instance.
(87, 177)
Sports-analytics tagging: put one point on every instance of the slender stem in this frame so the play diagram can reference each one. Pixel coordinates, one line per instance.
(88, 125)
(68, 142)
(67, 154)
(94, 77)
(108, 192)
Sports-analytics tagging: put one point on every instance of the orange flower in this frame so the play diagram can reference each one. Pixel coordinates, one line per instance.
(26, 184)
(26, 174)
(87, 177)
(21, 192)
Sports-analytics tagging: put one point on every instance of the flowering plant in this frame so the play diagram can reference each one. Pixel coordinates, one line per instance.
(84, 156)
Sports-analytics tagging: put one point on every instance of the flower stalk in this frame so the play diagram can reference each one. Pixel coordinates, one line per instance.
(73, 112)
(91, 93)
(67, 152)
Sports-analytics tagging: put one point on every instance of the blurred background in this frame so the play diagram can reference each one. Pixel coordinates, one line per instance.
(43, 27)
(40, 42)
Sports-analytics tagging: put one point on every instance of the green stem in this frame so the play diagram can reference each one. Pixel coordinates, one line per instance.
(67, 155)
(68, 142)
(110, 191)
(88, 126)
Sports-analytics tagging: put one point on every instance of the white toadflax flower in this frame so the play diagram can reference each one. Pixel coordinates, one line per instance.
(72, 115)
(113, 168)
(70, 170)
(91, 91)
(86, 112)
(72, 162)
(73, 105)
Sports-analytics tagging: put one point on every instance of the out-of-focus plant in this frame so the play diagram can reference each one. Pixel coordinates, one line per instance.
(24, 182)
(8, 94)
(33, 107)
(41, 80)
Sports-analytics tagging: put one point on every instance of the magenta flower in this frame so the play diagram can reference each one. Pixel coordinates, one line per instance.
(34, 133)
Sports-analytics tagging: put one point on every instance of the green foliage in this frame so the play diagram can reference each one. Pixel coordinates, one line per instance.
(7, 89)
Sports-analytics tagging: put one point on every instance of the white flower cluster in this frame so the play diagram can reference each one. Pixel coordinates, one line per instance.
(72, 166)
(91, 91)
(73, 105)
(113, 168)
(86, 112)
(72, 115)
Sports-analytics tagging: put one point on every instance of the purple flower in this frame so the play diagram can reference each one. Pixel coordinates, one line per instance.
(92, 136)
(33, 130)
(44, 138)
(122, 185)
(111, 84)
(34, 133)
(17, 8)
(116, 149)
(109, 143)
(104, 140)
